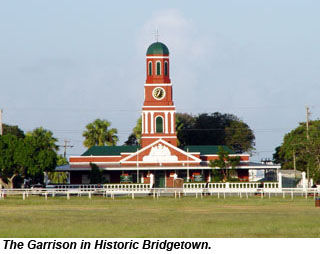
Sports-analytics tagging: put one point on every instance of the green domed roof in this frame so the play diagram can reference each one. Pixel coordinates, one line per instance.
(158, 48)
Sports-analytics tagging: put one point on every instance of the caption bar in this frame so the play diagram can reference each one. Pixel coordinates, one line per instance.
(167, 245)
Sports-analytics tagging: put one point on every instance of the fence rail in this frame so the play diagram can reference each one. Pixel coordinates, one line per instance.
(142, 189)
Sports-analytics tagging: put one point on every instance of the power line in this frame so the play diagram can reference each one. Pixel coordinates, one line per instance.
(65, 146)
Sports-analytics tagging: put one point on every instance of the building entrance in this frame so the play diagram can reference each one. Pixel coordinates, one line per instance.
(160, 179)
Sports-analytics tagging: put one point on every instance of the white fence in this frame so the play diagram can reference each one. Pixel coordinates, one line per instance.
(231, 186)
(197, 189)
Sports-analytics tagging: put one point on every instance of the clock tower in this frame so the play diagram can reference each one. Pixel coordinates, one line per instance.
(158, 111)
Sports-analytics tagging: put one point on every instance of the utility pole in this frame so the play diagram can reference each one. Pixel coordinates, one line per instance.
(307, 123)
(308, 137)
(1, 128)
(65, 146)
(294, 163)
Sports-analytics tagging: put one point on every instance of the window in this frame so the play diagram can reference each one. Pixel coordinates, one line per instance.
(158, 68)
(150, 68)
(166, 68)
(159, 124)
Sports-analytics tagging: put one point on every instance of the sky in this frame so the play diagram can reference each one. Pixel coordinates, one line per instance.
(65, 63)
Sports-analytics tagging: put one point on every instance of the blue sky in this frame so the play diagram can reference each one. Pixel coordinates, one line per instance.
(65, 63)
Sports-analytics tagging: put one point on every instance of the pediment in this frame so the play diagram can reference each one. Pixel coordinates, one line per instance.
(160, 151)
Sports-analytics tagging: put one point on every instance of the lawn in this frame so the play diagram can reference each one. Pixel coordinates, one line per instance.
(166, 217)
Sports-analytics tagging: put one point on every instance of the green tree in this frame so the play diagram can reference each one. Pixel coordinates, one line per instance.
(95, 174)
(184, 124)
(239, 136)
(44, 138)
(223, 167)
(98, 133)
(12, 129)
(41, 146)
(27, 157)
(134, 138)
(207, 129)
(298, 151)
(9, 161)
(59, 177)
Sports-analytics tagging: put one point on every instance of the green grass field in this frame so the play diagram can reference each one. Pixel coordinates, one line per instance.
(166, 217)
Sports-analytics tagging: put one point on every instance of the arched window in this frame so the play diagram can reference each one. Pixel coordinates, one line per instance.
(166, 68)
(159, 124)
(158, 68)
(150, 68)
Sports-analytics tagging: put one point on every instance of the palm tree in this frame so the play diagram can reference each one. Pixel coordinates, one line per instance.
(98, 133)
(44, 138)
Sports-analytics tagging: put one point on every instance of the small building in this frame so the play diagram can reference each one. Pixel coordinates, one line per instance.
(158, 160)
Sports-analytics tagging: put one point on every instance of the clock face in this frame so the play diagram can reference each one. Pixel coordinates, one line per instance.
(158, 93)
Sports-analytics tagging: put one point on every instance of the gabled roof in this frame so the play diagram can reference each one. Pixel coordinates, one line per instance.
(190, 156)
(110, 150)
(207, 149)
(117, 150)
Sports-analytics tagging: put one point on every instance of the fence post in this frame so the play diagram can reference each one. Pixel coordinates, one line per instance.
(291, 194)
(46, 196)
(68, 195)
(23, 195)
(89, 194)
(132, 195)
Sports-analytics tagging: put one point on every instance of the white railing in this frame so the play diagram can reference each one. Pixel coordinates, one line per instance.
(143, 189)
(270, 185)
(128, 187)
(75, 186)
(240, 185)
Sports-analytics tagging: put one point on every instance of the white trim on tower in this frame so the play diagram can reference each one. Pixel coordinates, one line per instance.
(166, 122)
(142, 122)
(152, 122)
(160, 57)
(164, 84)
(172, 128)
(146, 127)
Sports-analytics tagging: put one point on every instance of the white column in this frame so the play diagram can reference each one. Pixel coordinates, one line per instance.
(151, 180)
(279, 180)
(146, 122)
(166, 121)
(172, 125)
(142, 122)
(304, 180)
(152, 122)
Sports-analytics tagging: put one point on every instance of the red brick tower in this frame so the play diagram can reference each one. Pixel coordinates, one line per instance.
(158, 111)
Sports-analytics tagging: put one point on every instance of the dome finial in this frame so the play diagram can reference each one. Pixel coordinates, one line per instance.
(156, 35)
